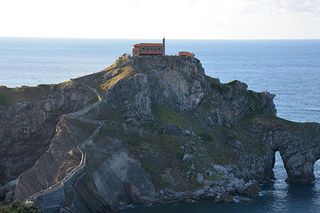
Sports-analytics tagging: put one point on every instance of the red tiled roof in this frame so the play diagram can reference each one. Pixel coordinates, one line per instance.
(149, 45)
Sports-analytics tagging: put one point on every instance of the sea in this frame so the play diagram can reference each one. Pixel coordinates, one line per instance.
(288, 68)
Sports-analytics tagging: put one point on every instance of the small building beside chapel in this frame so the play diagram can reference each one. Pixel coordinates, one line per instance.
(186, 54)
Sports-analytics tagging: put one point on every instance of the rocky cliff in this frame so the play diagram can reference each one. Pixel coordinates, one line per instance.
(28, 117)
(146, 130)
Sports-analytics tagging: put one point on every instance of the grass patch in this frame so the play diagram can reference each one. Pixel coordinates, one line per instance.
(217, 86)
(232, 83)
(65, 84)
(123, 73)
(222, 88)
(149, 126)
(18, 207)
(215, 139)
(205, 136)
(167, 116)
(215, 177)
(9, 96)
(157, 154)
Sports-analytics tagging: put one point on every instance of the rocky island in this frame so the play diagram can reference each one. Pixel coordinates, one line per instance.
(146, 130)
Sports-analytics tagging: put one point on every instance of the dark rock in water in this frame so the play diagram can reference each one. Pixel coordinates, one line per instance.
(146, 130)
(251, 189)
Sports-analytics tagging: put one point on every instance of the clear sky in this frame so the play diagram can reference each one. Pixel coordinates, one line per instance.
(176, 19)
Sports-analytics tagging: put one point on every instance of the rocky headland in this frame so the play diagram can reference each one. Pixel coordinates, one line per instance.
(146, 130)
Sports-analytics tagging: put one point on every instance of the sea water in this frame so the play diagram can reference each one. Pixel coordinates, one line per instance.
(288, 68)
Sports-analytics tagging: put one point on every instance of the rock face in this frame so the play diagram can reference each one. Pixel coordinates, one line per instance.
(28, 117)
(146, 130)
(298, 144)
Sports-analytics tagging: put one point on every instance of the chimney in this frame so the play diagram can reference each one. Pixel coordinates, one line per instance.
(164, 45)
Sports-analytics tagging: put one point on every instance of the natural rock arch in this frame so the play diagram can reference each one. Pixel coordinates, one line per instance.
(297, 143)
(299, 148)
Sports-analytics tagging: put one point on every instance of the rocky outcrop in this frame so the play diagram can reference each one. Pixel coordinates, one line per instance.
(120, 178)
(298, 144)
(149, 130)
(58, 161)
(28, 117)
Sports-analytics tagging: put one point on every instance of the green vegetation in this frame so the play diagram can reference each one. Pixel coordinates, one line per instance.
(18, 207)
(273, 122)
(65, 84)
(3, 100)
(86, 128)
(205, 136)
(167, 152)
(222, 88)
(216, 146)
(124, 72)
(159, 155)
(217, 176)
(167, 116)
(215, 139)
(231, 83)
(217, 86)
(9, 96)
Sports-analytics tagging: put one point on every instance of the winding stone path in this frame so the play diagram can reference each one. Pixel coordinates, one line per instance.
(59, 186)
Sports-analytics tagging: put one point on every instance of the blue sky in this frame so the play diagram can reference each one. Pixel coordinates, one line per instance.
(176, 19)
